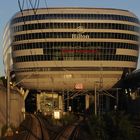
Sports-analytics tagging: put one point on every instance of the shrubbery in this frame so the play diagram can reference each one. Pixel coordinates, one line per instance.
(68, 119)
(111, 126)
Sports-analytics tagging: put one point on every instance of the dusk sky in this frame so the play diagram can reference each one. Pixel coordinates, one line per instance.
(9, 7)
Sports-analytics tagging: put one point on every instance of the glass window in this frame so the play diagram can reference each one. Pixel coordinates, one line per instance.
(75, 16)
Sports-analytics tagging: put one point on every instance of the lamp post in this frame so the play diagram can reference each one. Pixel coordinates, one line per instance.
(9, 130)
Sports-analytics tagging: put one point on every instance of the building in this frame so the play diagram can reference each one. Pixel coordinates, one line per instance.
(72, 48)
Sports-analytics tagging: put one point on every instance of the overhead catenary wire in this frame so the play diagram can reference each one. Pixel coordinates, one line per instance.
(27, 4)
(21, 6)
(35, 6)
(46, 4)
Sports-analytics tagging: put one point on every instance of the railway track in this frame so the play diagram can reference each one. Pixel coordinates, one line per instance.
(52, 131)
(136, 124)
(65, 133)
(35, 129)
(75, 133)
(70, 132)
(55, 133)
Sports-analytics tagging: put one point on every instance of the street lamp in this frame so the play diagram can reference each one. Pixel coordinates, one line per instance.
(9, 131)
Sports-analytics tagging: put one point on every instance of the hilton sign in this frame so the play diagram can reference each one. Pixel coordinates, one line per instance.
(79, 34)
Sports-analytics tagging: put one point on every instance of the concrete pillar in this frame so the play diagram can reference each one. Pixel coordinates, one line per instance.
(60, 102)
(38, 102)
(67, 100)
(86, 101)
(26, 94)
(63, 102)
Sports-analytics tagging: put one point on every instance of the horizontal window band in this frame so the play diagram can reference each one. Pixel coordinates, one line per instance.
(75, 35)
(58, 45)
(74, 16)
(76, 57)
(78, 26)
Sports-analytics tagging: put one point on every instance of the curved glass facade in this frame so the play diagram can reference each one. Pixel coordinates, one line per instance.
(75, 16)
(75, 25)
(74, 40)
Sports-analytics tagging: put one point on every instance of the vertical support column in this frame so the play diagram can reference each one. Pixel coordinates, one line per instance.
(38, 102)
(9, 131)
(52, 101)
(67, 100)
(25, 94)
(86, 101)
(63, 101)
(60, 102)
(21, 103)
(44, 102)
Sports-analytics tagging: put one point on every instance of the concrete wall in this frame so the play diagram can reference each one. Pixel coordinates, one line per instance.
(16, 107)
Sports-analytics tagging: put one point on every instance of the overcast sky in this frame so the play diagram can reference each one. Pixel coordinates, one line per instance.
(9, 7)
